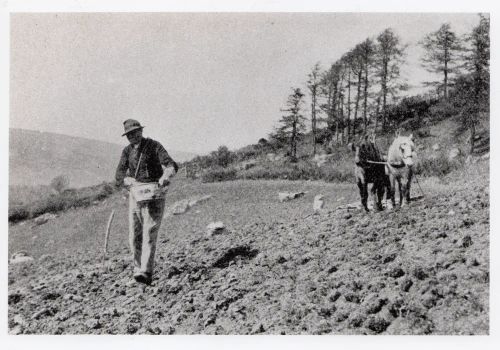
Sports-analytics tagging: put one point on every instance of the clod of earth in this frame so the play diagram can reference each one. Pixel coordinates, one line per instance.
(240, 252)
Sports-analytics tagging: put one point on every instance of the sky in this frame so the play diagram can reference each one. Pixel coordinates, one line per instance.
(195, 80)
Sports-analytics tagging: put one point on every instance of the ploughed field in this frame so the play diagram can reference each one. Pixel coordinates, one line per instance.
(278, 268)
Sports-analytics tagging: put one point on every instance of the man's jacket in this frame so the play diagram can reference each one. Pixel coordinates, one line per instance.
(150, 167)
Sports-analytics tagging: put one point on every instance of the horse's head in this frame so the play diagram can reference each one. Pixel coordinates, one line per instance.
(407, 149)
(365, 150)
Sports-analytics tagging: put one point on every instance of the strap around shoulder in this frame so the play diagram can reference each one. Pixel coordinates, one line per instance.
(144, 148)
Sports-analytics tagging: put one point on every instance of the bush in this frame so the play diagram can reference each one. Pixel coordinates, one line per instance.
(441, 111)
(223, 157)
(219, 174)
(59, 183)
(323, 136)
(53, 203)
(18, 213)
(423, 133)
(248, 152)
(439, 166)
(302, 170)
(341, 172)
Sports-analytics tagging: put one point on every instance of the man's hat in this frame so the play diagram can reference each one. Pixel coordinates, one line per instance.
(131, 125)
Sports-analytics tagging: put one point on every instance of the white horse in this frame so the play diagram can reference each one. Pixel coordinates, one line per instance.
(400, 161)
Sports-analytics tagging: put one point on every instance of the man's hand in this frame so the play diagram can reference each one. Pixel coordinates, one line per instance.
(129, 181)
(168, 173)
(164, 181)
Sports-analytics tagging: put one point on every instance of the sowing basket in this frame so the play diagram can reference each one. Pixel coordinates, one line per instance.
(144, 192)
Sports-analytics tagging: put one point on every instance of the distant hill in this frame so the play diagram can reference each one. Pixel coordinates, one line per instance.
(35, 158)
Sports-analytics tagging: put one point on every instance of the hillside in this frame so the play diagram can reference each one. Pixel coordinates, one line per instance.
(277, 269)
(35, 158)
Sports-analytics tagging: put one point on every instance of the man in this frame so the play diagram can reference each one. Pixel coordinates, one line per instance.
(144, 161)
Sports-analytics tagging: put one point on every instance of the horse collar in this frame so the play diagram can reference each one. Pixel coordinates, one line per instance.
(397, 165)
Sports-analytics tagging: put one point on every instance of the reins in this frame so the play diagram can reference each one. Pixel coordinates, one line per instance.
(400, 165)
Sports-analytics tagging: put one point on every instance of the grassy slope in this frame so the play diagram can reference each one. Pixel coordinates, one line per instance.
(335, 272)
(35, 158)
(312, 274)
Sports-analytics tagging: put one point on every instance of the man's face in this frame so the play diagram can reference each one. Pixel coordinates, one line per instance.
(134, 137)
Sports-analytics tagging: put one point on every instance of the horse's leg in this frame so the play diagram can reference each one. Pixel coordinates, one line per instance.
(363, 192)
(401, 190)
(408, 185)
(404, 192)
(392, 190)
(388, 191)
(380, 194)
(373, 191)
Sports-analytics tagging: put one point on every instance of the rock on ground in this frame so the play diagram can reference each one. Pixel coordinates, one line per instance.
(286, 196)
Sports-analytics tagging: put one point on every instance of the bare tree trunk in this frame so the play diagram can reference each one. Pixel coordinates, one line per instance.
(384, 93)
(446, 74)
(343, 124)
(313, 121)
(349, 107)
(377, 113)
(356, 107)
(337, 132)
(293, 149)
(365, 103)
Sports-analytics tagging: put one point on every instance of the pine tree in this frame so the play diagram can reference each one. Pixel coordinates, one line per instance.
(478, 65)
(293, 123)
(313, 84)
(442, 50)
(389, 58)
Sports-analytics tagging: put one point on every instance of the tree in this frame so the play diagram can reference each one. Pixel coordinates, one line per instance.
(442, 49)
(367, 52)
(313, 84)
(478, 65)
(356, 66)
(292, 123)
(389, 57)
(330, 91)
(223, 156)
(347, 62)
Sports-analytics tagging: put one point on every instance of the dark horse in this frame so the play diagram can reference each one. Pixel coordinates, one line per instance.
(370, 173)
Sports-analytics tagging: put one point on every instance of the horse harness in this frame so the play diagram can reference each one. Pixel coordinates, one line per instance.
(394, 165)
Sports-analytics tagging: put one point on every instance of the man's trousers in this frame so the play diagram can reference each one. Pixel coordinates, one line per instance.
(144, 224)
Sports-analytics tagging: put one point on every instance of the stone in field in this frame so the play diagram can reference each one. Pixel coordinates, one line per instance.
(19, 320)
(16, 330)
(180, 207)
(286, 196)
(318, 203)
(184, 205)
(454, 153)
(215, 228)
(93, 323)
(42, 219)
(20, 257)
